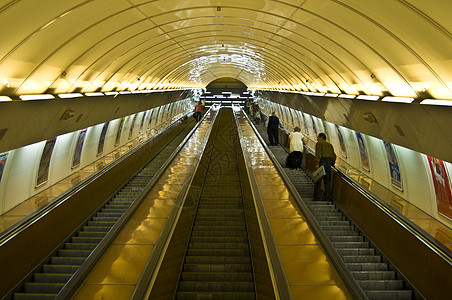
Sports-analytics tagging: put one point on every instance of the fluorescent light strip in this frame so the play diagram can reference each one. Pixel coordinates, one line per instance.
(5, 98)
(125, 92)
(94, 94)
(437, 102)
(367, 97)
(398, 99)
(73, 95)
(36, 97)
(331, 95)
(111, 93)
(346, 96)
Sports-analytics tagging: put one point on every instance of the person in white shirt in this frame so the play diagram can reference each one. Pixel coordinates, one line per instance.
(296, 141)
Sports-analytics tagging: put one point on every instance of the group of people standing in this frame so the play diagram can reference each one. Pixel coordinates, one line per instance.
(324, 154)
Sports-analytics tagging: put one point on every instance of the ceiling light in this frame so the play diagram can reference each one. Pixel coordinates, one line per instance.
(331, 95)
(36, 97)
(398, 99)
(111, 93)
(437, 102)
(5, 98)
(347, 96)
(367, 97)
(94, 94)
(73, 95)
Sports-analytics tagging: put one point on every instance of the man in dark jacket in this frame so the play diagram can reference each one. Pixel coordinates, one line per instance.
(272, 129)
(324, 156)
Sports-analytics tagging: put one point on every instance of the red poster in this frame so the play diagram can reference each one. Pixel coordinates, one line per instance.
(442, 186)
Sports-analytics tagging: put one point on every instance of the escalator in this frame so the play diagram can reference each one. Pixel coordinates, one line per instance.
(374, 274)
(217, 264)
(46, 281)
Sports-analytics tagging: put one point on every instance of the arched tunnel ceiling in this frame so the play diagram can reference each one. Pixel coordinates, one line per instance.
(401, 48)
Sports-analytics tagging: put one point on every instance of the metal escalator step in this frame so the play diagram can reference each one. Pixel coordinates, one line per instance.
(361, 258)
(218, 232)
(215, 295)
(101, 223)
(329, 223)
(381, 284)
(66, 260)
(113, 210)
(64, 269)
(226, 268)
(346, 238)
(109, 215)
(218, 252)
(217, 277)
(190, 286)
(219, 228)
(216, 239)
(338, 228)
(356, 251)
(350, 244)
(73, 253)
(374, 275)
(100, 234)
(104, 219)
(223, 260)
(51, 277)
(367, 266)
(217, 222)
(342, 233)
(390, 295)
(214, 246)
(42, 288)
(30, 296)
(79, 246)
(96, 228)
(87, 240)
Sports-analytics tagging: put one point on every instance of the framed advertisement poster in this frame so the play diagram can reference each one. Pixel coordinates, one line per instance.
(3, 157)
(132, 125)
(100, 145)
(442, 186)
(118, 133)
(44, 163)
(142, 122)
(78, 149)
(396, 178)
(341, 142)
(362, 151)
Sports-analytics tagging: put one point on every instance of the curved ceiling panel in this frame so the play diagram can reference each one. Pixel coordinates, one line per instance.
(399, 48)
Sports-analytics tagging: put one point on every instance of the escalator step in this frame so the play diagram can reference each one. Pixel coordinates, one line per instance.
(64, 269)
(58, 260)
(227, 268)
(73, 253)
(42, 288)
(189, 286)
(214, 246)
(217, 260)
(25, 296)
(79, 246)
(217, 222)
(346, 238)
(390, 295)
(367, 266)
(218, 252)
(51, 277)
(99, 234)
(356, 251)
(374, 275)
(215, 295)
(381, 284)
(351, 244)
(216, 239)
(361, 259)
(218, 228)
(87, 239)
(217, 277)
(219, 232)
